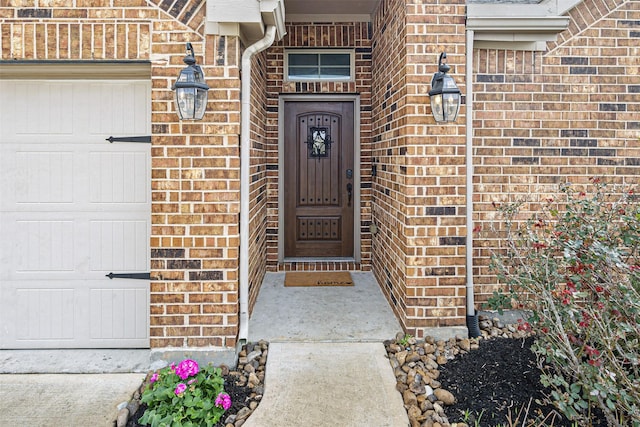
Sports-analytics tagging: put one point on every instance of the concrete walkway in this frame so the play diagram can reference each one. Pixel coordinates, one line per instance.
(329, 384)
(75, 400)
(358, 313)
(326, 366)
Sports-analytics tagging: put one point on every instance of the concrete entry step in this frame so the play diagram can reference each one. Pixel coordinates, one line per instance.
(358, 313)
(329, 384)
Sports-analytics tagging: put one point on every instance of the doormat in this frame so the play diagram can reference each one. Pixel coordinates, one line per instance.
(318, 278)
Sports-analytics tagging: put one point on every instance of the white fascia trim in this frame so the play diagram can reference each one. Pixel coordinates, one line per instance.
(540, 46)
(517, 24)
(304, 17)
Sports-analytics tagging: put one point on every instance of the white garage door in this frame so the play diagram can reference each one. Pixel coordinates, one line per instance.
(73, 208)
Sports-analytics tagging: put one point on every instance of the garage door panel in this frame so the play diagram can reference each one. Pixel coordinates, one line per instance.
(44, 246)
(118, 177)
(111, 118)
(116, 246)
(37, 175)
(89, 179)
(38, 118)
(45, 314)
(44, 177)
(64, 247)
(105, 325)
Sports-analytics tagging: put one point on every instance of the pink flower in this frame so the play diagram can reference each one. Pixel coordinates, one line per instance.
(187, 368)
(180, 388)
(154, 378)
(223, 400)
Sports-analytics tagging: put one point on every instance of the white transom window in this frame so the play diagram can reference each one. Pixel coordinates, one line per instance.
(319, 65)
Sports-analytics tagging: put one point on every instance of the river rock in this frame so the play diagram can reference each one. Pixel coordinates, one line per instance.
(465, 344)
(401, 356)
(409, 398)
(444, 396)
(123, 417)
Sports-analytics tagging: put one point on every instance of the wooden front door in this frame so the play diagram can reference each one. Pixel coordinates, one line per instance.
(319, 185)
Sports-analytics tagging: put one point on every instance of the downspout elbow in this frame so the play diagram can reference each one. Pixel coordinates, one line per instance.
(245, 163)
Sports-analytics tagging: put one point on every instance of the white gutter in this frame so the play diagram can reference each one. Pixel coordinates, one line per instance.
(472, 317)
(245, 165)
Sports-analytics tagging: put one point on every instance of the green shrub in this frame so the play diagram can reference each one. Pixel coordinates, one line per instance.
(185, 396)
(575, 265)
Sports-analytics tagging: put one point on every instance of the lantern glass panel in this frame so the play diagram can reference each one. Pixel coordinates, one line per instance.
(201, 104)
(451, 106)
(437, 107)
(185, 101)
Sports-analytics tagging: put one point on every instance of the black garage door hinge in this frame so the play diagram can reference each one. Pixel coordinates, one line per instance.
(143, 276)
(145, 139)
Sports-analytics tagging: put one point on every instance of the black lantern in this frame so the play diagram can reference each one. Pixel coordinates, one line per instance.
(444, 94)
(191, 90)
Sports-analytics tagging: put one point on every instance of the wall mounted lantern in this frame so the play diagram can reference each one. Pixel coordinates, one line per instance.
(191, 90)
(444, 94)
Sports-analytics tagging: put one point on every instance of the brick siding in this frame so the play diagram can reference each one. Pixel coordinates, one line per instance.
(418, 193)
(546, 118)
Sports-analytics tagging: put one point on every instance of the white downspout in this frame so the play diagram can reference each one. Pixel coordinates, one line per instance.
(245, 164)
(472, 317)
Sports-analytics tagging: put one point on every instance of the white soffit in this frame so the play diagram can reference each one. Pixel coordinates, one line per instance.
(522, 26)
(330, 10)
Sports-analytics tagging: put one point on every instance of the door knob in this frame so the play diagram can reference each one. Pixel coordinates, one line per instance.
(349, 193)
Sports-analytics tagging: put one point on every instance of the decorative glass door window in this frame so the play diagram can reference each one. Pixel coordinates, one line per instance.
(318, 142)
(333, 65)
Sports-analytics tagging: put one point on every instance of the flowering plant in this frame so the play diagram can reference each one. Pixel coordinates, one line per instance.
(185, 395)
(575, 265)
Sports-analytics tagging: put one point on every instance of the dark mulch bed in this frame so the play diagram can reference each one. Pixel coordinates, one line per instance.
(498, 382)
(239, 395)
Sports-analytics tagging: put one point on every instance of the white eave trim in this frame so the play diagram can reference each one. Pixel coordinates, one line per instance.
(70, 70)
(298, 17)
(517, 26)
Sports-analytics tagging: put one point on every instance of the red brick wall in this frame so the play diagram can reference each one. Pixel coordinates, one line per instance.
(565, 115)
(259, 180)
(418, 194)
